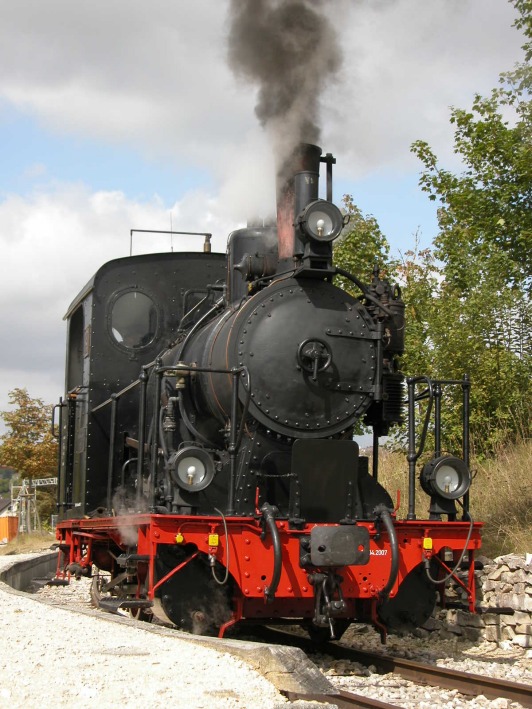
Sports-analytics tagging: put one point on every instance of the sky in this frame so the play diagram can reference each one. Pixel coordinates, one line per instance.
(120, 115)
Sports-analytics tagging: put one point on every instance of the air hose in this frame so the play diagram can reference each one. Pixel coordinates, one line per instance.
(383, 513)
(268, 514)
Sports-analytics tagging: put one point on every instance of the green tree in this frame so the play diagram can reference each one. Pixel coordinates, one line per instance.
(28, 446)
(360, 247)
(479, 310)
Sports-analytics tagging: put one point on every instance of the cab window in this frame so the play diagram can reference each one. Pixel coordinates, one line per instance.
(133, 320)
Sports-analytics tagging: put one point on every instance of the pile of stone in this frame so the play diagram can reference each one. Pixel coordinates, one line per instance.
(503, 583)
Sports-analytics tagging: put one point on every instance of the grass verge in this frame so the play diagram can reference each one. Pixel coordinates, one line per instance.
(501, 496)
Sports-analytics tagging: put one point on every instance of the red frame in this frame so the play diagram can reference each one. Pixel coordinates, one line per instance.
(251, 557)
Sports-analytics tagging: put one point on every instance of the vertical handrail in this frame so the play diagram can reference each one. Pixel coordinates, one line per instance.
(60, 483)
(466, 387)
(69, 453)
(437, 419)
(232, 442)
(375, 460)
(414, 454)
(142, 434)
(411, 457)
(110, 462)
(155, 427)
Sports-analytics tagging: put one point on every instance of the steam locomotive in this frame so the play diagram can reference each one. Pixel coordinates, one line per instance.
(208, 474)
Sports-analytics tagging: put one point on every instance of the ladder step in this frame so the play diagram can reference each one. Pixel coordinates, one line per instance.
(114, 604)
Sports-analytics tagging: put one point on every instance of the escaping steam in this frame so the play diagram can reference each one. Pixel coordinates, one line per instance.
(124, 502)
(289, 49)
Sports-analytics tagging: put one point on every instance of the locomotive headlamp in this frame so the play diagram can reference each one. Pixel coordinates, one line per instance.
(191, 468)
(446, 477)
(321, 220)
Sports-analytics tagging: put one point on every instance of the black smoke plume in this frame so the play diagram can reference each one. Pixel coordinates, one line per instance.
(289, 49)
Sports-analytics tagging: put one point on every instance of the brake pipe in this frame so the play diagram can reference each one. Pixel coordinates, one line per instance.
(383, 513)
(268, 515)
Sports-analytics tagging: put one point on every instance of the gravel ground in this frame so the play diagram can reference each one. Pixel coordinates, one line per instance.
(57, 658)
(52, 658)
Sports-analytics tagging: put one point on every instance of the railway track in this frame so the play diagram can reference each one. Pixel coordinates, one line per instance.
(468, 684)
(343, 700)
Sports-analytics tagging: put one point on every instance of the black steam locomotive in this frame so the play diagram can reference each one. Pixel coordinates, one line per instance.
(208, 472)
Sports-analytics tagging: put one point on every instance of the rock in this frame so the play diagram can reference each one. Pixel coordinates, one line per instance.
(454, 629)
(421, 633)
(485, 561)
(451, 616)
(507, 619)
(492, 633)
(520, 617)
(490, 585)
(507, 632)
(471, 620)
(497, 573)
(492, 619)
(432, 624)
(517, 601)
(522, 640)
(512, 561)
(470, 633)
(519, 576)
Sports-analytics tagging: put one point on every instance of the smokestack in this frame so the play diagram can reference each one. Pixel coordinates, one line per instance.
(297, 185)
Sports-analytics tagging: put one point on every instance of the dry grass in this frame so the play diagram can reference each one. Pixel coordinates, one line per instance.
(501, 496)
(28, 543)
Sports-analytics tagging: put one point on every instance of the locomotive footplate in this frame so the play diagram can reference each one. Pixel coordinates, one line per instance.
(344, 545)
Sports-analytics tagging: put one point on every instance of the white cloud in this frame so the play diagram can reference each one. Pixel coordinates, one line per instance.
(153, 76)
(406, 63)
(51, 243)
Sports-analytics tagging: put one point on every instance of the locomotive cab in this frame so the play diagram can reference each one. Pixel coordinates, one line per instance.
(124, 316)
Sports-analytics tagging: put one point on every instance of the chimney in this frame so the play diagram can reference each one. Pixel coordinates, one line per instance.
(297, 185)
